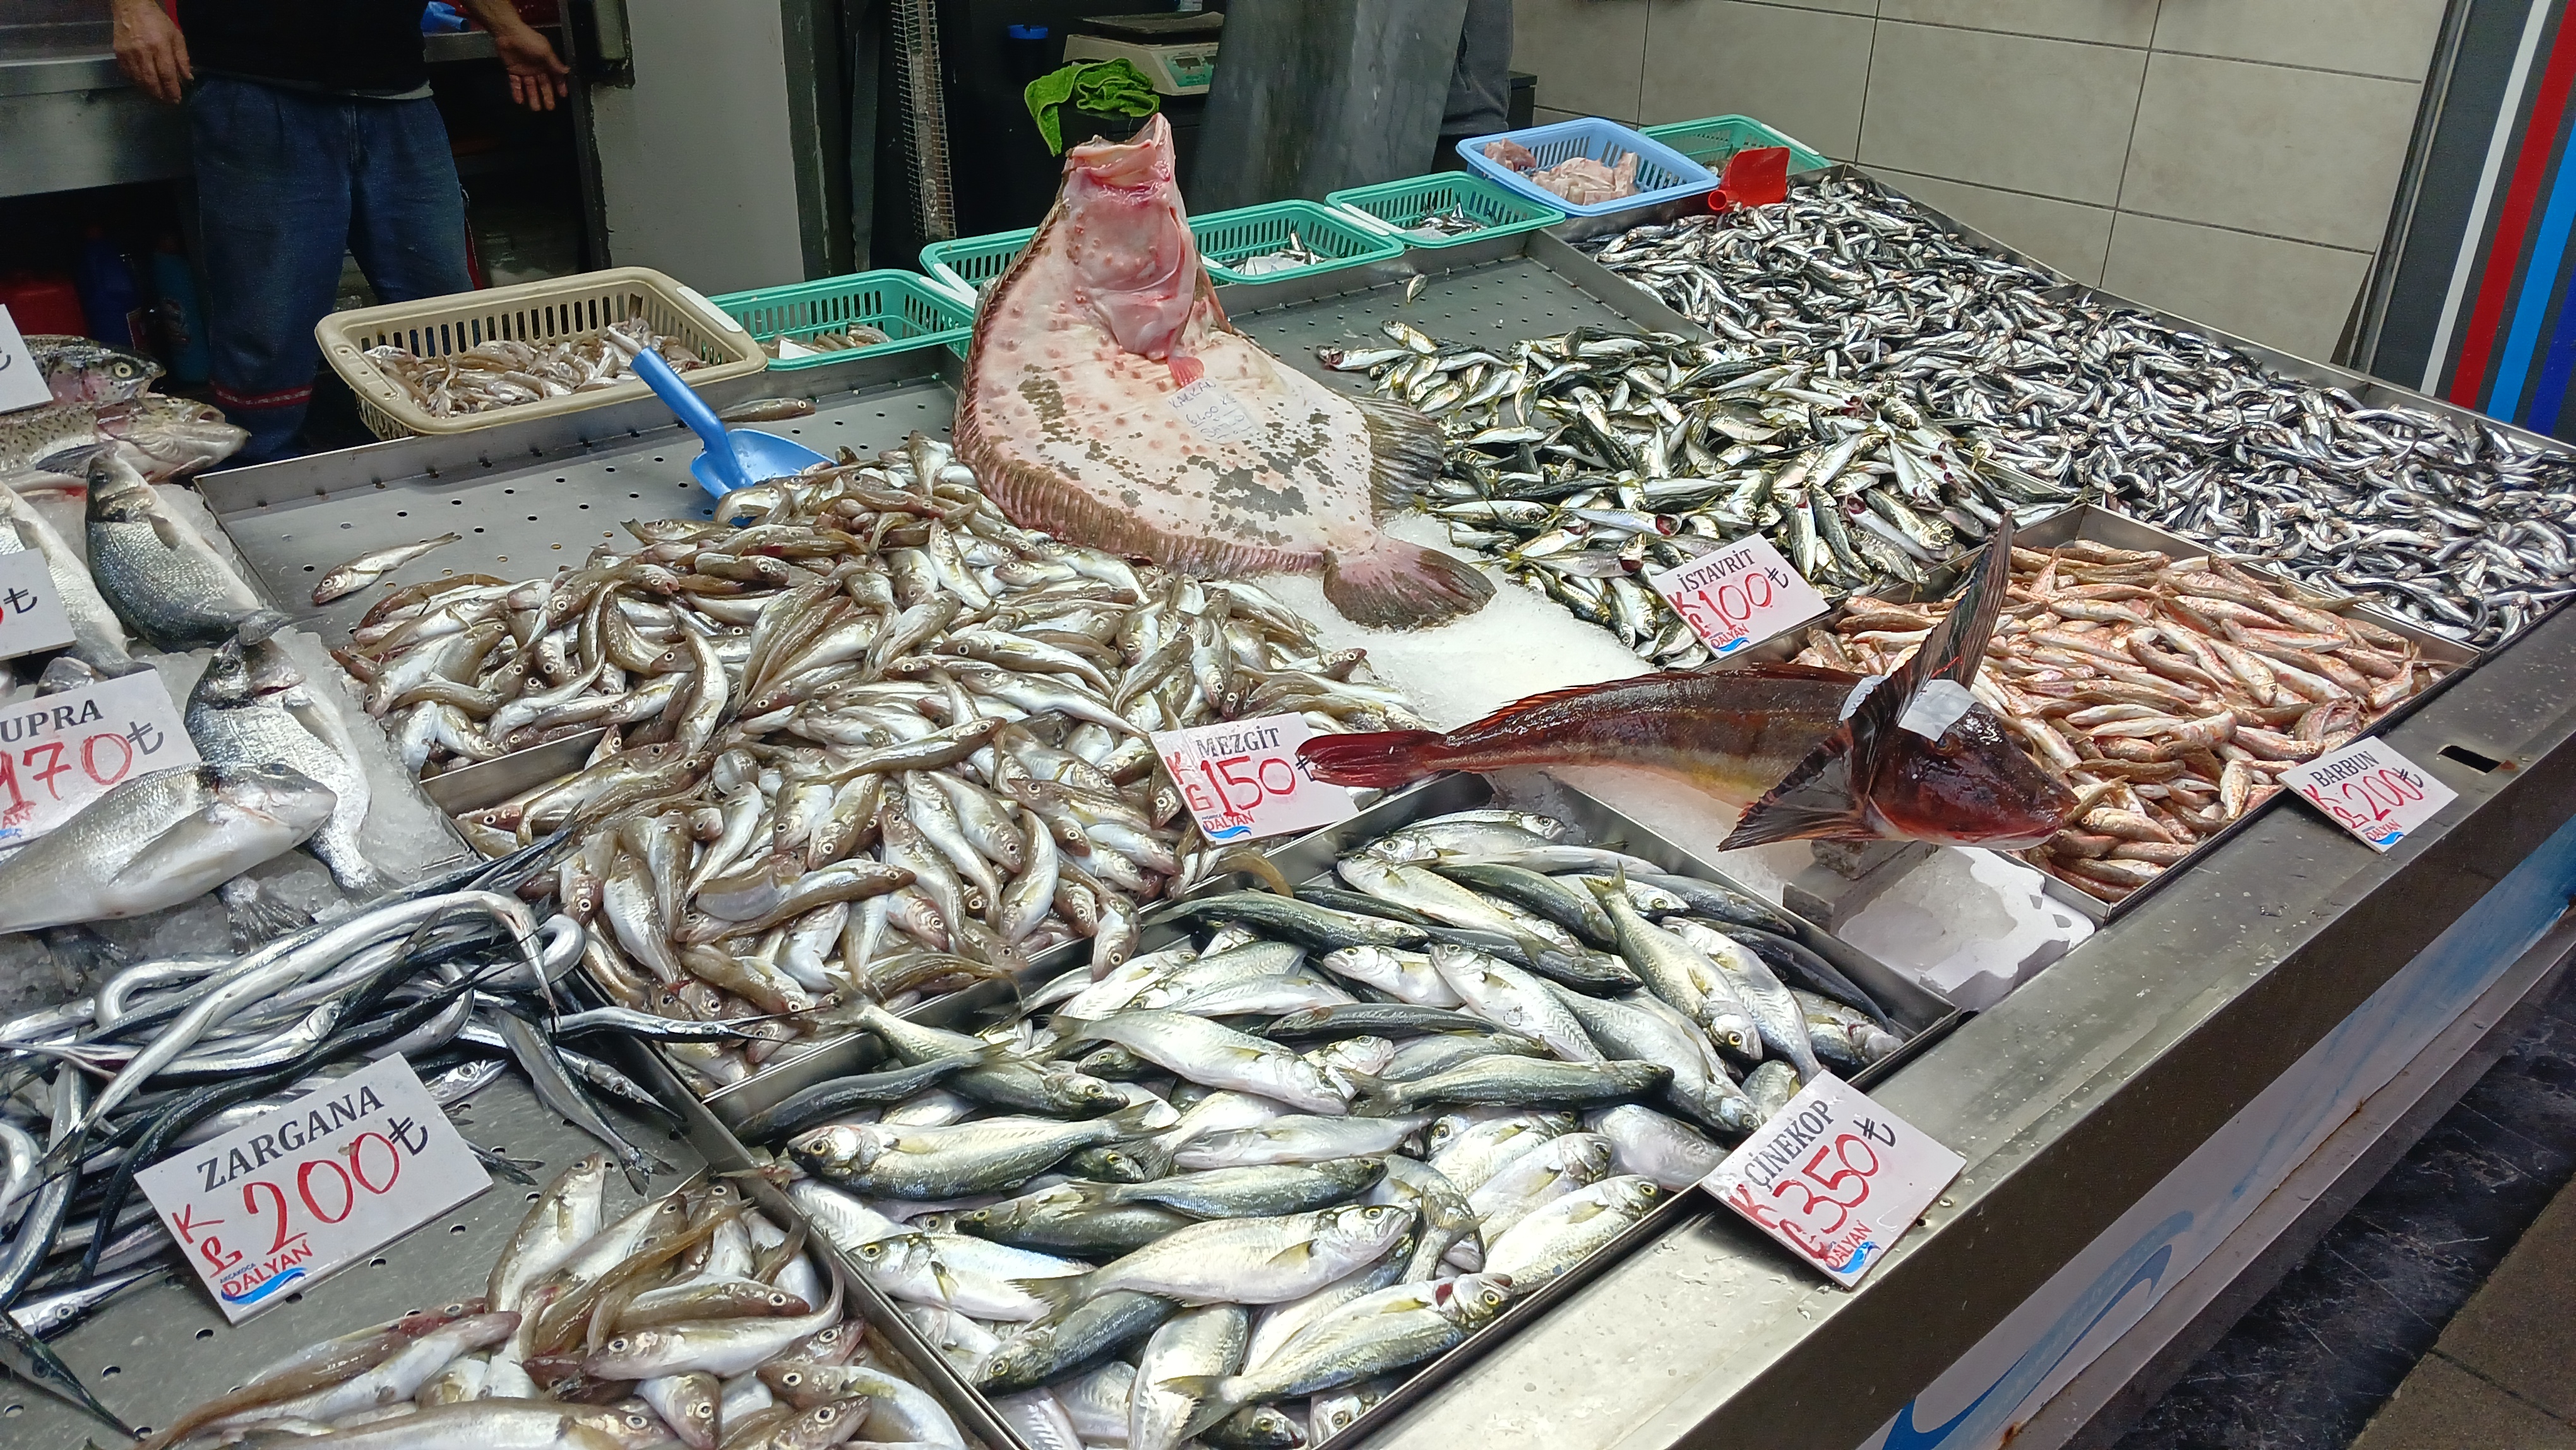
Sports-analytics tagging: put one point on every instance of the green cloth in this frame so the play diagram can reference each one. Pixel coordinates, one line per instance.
(1102, 87)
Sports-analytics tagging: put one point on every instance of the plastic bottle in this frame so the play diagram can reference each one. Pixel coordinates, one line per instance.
(181, 317)
(110, 300)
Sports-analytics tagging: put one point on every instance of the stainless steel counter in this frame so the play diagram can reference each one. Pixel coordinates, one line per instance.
(2123, 1114)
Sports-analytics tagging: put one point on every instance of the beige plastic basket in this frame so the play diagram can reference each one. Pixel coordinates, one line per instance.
(536, 312)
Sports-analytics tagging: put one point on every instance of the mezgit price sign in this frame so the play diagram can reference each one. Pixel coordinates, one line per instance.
(1243, 780)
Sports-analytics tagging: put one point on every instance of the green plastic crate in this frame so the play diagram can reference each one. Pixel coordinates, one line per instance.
(1231, 236)
(1400, 204)
(966, 264)
(969, 264)
(908, 310)
(1713, 141)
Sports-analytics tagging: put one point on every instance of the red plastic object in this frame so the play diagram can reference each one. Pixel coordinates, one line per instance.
(43, 302)
(1755, 176)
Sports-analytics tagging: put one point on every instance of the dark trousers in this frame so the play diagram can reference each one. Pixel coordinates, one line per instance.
(286, 182)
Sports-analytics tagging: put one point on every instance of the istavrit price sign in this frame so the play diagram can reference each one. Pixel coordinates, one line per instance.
(1835, 1177)
(2370, 790)
(1242, 780)
(31, 612)
(60, 752)
(273, 1206)
(1738, 596)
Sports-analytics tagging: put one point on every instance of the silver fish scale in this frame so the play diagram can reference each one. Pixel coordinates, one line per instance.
(2459, 528)
(1587, 462)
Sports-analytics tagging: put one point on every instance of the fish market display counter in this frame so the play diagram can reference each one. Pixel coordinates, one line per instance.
(2208, 1073)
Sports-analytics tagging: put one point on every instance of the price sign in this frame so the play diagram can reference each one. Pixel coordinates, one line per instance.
(2370, 790)
(1835, 1177)
(1243, 780)
(22, 383)
(1738, 596)
(60, 752)
(332, 1176)
(1213, 413)
(31, 613)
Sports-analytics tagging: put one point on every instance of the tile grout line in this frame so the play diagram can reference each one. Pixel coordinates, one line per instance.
(2129, 148)
(2149, 48)
(1646, 47)
(1868, 63)
(2473, 1372)
(2121, 211)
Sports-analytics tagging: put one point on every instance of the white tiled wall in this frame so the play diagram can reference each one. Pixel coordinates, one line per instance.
(2229, 160)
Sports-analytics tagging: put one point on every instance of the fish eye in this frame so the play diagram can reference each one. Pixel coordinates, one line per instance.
(617, 1345)
(791, 1379)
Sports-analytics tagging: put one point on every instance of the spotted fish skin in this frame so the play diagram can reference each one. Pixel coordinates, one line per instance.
(1068, 412)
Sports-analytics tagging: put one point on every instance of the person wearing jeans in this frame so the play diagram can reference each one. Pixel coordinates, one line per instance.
(312, 132)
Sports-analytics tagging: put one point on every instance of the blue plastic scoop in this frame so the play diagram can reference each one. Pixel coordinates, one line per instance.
(734, 458)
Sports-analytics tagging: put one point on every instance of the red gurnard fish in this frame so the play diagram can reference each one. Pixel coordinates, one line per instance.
(1807, 754)
(1108, 402)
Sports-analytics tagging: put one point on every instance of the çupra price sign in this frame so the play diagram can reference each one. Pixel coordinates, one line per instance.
(1738, 596)
(60, 752)
(1243, 780)
(1835, 1177)
(334, 1175)
(2370, 790)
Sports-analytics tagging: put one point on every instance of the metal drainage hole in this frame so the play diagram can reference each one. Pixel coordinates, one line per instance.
(456, 1228)
(111, 1372)
(532, 518)
(309, 568)
(611, 468)
(377, 1262)
(11, 1412)
(635, 495)
(2470, 758)
(456, 502)
(533, 1197)
(402, 513)
(657, 458)
(478, 529)
(348, 526)
(509, 490)
(585, 505)
(205, 1334)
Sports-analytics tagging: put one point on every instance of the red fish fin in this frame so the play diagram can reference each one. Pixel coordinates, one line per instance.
(1826, 796)
(1957, 645)
(1405, 446)
(1396, 585)
(1186, 369)
(1374, 757)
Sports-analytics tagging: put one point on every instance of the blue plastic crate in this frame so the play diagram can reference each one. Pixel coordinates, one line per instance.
(1662, 172)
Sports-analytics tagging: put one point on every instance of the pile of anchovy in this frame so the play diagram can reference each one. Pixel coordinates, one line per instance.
(691, 1319)
(1346, 1128)
(1586, 462)
(863, 738)
(2453, 524)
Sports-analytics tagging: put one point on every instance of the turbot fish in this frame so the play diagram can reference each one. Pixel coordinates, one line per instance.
(1108, 401)
(1806, 753)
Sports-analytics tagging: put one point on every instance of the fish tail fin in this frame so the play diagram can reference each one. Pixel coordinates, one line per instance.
(1376, 757)
(1826, 797)
(256, 628)
(1377, 1098)
(1212, 1393)
(1406, 450)
(1396, 585)
(1136, 1121)
(1057, 1294)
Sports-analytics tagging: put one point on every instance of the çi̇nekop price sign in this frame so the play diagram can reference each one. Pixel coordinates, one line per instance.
(329, 1177)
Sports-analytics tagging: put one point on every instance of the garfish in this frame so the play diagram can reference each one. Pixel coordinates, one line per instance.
(1804, 752)
(367, 568)
(157, 840)
(1074, 411)
(154, 569)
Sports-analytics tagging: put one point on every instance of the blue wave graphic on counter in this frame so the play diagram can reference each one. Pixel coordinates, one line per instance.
(264, 1290)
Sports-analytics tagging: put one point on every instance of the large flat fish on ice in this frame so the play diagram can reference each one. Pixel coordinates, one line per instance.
(1109, 402)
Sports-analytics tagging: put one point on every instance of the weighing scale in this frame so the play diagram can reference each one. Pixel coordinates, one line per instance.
(1177, 53)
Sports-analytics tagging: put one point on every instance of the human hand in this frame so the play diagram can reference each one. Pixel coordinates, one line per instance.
(150, 49)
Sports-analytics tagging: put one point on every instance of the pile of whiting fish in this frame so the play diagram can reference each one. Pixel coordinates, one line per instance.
(2450, 522)
(2171, 693)
(1237, 1187)
(693, 1319)
(1587, 461)
(508, 371)
(865, 738)
(455, 973)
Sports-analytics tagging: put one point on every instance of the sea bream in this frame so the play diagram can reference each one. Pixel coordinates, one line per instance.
(1109, 401)
(1806, 753)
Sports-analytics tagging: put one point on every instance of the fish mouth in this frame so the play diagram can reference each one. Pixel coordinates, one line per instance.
(1141, 165)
